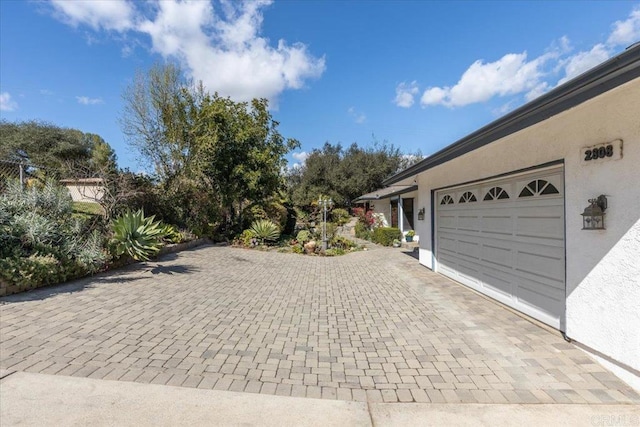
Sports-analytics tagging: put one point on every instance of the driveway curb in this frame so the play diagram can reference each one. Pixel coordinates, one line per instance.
(38, 399)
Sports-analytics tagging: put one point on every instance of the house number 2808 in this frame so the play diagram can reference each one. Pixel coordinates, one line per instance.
(599, 153)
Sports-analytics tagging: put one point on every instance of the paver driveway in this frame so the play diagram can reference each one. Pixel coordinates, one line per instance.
(372, 325)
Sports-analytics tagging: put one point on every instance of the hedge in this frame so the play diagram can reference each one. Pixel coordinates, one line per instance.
(386, 235)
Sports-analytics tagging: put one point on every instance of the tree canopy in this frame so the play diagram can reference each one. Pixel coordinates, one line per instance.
(211, 154)
(344, 174)
(59, 151)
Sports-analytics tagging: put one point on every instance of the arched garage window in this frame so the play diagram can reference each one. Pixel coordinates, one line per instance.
(447, 200)
(496, 193)
(538, 187)
(468, 196)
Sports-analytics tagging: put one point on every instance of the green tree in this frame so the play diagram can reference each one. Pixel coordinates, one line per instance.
(158, 118)
(344, 174)
(212, 155)
(103, 157)
(240, 152)
(60, 152)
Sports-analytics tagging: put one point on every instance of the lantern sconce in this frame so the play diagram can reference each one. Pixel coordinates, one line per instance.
(421, 214)
(593, 215)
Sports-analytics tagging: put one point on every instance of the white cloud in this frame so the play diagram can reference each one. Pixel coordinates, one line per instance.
(223, 50)
(509, 75)
(115, 15)
(505, 108)
(85, 100)
(405, 93)
(46, 92)
(626, 32)
(434, 96)
(301, 158)
(358, 117)
(540, 89)
(6, 103)
(583, 61)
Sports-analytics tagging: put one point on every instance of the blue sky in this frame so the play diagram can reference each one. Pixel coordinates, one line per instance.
(418, 74)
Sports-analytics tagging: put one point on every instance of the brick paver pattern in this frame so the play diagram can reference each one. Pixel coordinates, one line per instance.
(372, 325)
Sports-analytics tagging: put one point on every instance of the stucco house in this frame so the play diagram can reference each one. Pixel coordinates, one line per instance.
(89, 190)
(395, 203)
(508, 211)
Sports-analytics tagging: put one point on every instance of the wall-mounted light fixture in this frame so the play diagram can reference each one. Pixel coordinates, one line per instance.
(593, 215)
(421, 214)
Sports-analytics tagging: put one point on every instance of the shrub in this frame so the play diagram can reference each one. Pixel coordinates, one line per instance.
(265, 230)
(137, 236)
(331, 230)
(340, 216)
(245, 239)
(41, 242)
(303, 236)
(334, 252)
(411, 233)
(386, 235)
(357, 212)
(339, 242)
(362, 231)
(172, 234)
(34, 270)
(272, 210)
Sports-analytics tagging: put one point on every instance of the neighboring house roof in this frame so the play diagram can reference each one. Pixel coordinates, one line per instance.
(383, 193)
(600, 79)
(85, 181)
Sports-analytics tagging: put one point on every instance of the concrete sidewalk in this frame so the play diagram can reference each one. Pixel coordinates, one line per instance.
(30, 399)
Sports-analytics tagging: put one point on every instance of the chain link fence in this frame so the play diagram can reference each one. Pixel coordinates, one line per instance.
(12, 171)
(24, 173)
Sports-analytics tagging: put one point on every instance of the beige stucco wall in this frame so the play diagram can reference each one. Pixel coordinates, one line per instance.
(603, 267)
(85, 193)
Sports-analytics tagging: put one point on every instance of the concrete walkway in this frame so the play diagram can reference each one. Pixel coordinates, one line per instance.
(371, 327)
(39, 399)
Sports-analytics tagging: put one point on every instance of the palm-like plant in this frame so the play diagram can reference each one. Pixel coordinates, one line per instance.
(265, 230)
(137, 236)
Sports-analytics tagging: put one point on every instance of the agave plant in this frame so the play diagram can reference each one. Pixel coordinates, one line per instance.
(264, 230)
(137, 236)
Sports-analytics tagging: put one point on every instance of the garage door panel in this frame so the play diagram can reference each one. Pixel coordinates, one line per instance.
(448, 266)
(540, 223)
(499, 282)
(548, 288)
(541, 301)
(469, 273)
(541, 264)
(497, 224)
(468, 248)
(447, 221)
(510, 249)
(497, 255)
(446, 243)
(469, 222)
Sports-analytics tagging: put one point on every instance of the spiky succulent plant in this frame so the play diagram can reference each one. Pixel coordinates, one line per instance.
(265, 230)
(137, 236)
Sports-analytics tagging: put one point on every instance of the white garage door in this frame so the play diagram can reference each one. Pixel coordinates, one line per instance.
(505, 238)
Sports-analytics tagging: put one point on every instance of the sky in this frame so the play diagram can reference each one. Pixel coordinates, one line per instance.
(416, 74)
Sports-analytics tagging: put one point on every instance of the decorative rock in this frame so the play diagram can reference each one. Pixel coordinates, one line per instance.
(310, 246)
